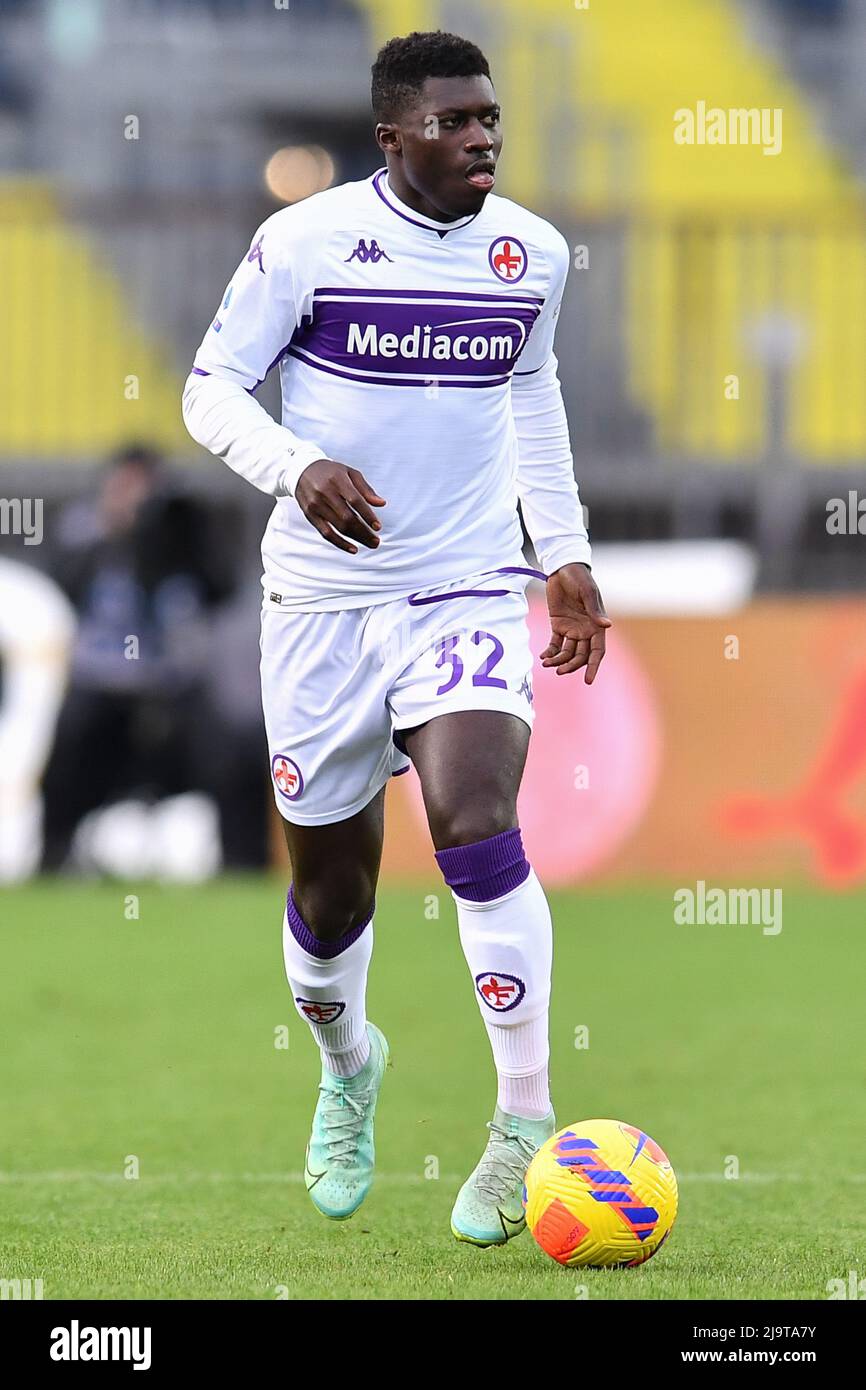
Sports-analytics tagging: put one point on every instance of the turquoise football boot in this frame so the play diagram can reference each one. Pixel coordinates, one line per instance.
(338, 1167)
(489, 1206)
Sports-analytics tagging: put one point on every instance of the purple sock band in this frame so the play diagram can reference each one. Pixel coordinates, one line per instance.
(486, 869)
(323, 950)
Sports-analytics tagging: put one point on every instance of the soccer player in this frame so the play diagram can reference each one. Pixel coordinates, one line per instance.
(412, 315)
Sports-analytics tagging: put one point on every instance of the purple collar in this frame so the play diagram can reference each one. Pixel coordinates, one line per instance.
(428, 224)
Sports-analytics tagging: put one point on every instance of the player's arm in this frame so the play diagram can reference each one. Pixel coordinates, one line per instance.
(259, 314)
(546, 485)
(550, 498)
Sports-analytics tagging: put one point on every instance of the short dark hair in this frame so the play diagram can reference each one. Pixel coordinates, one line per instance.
(403, 65)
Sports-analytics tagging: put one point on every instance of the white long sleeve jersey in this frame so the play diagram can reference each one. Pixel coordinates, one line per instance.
(419, 352)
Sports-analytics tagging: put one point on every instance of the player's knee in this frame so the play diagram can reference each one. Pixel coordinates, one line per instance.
(467, 824)
(333, 907)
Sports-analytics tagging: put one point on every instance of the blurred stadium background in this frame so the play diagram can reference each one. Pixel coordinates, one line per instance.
(712, 354)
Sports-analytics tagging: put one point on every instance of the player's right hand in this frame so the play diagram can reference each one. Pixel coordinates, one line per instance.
(335, 498)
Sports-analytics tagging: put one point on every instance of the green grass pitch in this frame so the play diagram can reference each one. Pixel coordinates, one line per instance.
(155, 1038)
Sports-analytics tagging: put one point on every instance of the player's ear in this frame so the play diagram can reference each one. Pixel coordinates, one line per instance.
(388, 138)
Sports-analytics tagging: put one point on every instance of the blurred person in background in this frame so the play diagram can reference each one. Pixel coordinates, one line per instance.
(138, 565)
(36, 629)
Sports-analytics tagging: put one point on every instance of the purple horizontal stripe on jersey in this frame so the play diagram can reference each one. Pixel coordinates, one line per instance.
(197, 371)
(455, 295)
(441, 340)
(398, 771)
(375, 380)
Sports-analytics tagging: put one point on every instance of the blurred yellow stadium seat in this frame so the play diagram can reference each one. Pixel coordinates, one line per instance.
(83, 375)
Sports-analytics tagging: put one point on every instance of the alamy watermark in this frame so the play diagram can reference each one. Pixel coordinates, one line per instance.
(846, 516)
(16, 1290)
(22, 516)
(712, 907)
(77, 1343)
(738, 125)
(852, 1287)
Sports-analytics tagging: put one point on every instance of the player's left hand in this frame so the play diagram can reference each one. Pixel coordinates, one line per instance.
(578, 622)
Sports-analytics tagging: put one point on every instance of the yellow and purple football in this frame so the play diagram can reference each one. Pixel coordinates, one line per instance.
(600, 1193)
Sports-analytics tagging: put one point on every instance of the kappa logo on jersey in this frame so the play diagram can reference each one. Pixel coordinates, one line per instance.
(508, 259)
(317, 1011)
(365, 253)
(500, 992)
(287, 776)
(256, 253)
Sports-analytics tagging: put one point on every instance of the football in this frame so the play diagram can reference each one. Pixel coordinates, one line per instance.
(600, 1193)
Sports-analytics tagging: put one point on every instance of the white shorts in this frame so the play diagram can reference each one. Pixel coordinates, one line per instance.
(338, 686)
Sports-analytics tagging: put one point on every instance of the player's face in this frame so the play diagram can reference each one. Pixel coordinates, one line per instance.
(445, 146)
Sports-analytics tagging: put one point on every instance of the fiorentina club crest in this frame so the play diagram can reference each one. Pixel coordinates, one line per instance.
(287, 777)
(500, 992)
(318, 1011)
(508, 260)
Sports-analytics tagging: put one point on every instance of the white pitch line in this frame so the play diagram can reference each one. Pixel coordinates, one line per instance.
(397, 1179)
(765, 1177)
(71, 1177)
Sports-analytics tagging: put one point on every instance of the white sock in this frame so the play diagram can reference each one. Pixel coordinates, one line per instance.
(330, 993)
(508, 945)
(521, 1053)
